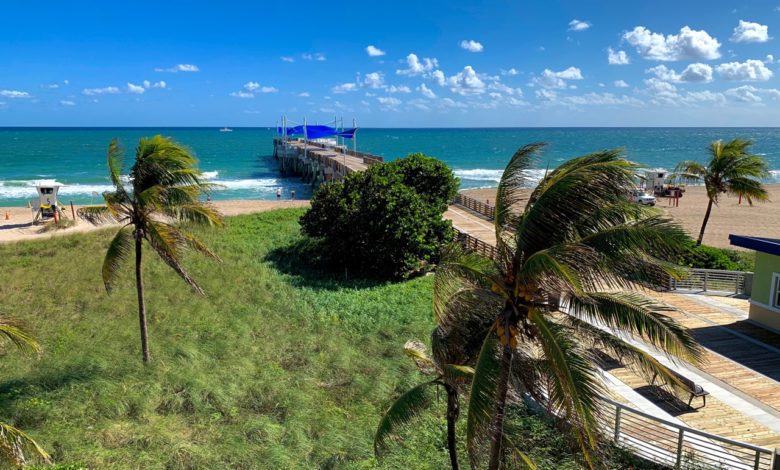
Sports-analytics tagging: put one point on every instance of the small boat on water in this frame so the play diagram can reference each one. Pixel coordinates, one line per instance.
(226, 129)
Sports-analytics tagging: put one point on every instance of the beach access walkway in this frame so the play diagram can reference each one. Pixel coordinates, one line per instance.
(741, 369)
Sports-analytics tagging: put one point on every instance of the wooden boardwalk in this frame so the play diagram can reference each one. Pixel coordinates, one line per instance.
(743, 358)
(342, 163)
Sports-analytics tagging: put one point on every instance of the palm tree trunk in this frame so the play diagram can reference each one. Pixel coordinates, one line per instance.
(704, 223)
(139, 287)
(453, 410)
(498, 419)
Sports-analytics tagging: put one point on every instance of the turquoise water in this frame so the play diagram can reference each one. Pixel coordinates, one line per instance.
(241, 160)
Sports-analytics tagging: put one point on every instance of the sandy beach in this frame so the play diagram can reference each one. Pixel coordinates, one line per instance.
(19, 226)
(761, 220)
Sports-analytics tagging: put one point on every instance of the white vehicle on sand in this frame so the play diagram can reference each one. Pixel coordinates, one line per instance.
(641, 197)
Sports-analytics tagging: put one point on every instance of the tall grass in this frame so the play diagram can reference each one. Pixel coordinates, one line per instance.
(271, 370)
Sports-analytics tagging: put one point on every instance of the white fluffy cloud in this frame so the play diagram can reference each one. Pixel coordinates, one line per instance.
(426, 92)
(415, 66)
(304, 94)
(751, 70)
(398, 89)
(109, 90)
(550, 79)
(617, 57)
(466, 82)
(135, 89)
(751, 94)
(251, 86)
(14, 94)
(374, 51)
(577, 25)
(67, 103)
(268, 89)
(747, 31)
(287, 59)
(438, 77)
(693, 73)
(620, 84)
(512, 71)
(374, 80)
(318, 56)
(242, 94)
(388, 101)
(345, 87)
(179, 68)
(687, 44)
(471, 45)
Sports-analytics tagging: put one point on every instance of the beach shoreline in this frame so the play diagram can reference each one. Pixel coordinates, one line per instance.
(729, 217)
(19, 227)
(762, 219)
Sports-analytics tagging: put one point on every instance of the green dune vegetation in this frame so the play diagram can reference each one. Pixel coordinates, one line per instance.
(277, 366)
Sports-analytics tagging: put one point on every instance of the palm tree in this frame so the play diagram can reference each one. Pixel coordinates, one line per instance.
(731, 170)
(165, 188)
(14, 442)
(449, 353)
(555, 290)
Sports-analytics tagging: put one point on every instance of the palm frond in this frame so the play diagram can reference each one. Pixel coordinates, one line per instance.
(748, 188)
(575, 386)
(461, 274)
(522, 460)
(13, 445)
(13, 331)
(631, 356)
(96, 215)
(514, 179)
(167, 241)
(455, 371)
(639, 316)
(482, 401)
(401, 413)
(118, 252)
(574, 193)
(417, 351)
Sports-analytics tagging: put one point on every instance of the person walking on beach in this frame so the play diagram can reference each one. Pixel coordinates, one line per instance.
(292, 194)
(278, 193)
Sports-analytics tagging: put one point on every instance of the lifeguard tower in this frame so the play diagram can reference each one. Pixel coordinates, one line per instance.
(48, 206)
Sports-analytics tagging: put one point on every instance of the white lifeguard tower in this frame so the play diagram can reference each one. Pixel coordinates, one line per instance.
(655, 180)
(48, 206)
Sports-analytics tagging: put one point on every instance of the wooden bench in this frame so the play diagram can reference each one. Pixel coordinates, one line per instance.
(694, 389)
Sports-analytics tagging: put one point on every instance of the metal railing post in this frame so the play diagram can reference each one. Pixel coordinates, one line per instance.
(680, 438)
(705, 281)
(776, 459)
(757, 462)
(618, 412)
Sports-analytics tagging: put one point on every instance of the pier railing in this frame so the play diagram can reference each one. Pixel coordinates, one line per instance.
(738, 282)
(475, 244)
(477, 206)
(678, 446)
(367, 158)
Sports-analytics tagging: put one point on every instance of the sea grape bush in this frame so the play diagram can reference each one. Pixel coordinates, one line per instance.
(385, 222)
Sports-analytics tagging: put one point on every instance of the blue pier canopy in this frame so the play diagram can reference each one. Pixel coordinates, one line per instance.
(318, 132)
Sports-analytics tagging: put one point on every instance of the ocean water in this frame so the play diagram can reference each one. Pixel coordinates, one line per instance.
(241, 162)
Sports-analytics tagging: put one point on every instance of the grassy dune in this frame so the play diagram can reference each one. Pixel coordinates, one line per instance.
(274, 369)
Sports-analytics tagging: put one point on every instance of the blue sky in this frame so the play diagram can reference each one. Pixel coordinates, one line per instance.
(433, 63)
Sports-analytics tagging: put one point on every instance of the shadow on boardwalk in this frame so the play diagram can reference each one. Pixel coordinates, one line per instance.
(722, 340)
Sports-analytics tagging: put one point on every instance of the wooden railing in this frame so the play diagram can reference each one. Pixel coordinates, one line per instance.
(678, 446)
(475, 244)
(477, 206)
(717, 280)
(367, 158)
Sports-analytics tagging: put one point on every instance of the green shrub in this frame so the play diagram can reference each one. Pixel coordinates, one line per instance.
(709, 257)
(385, 222)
